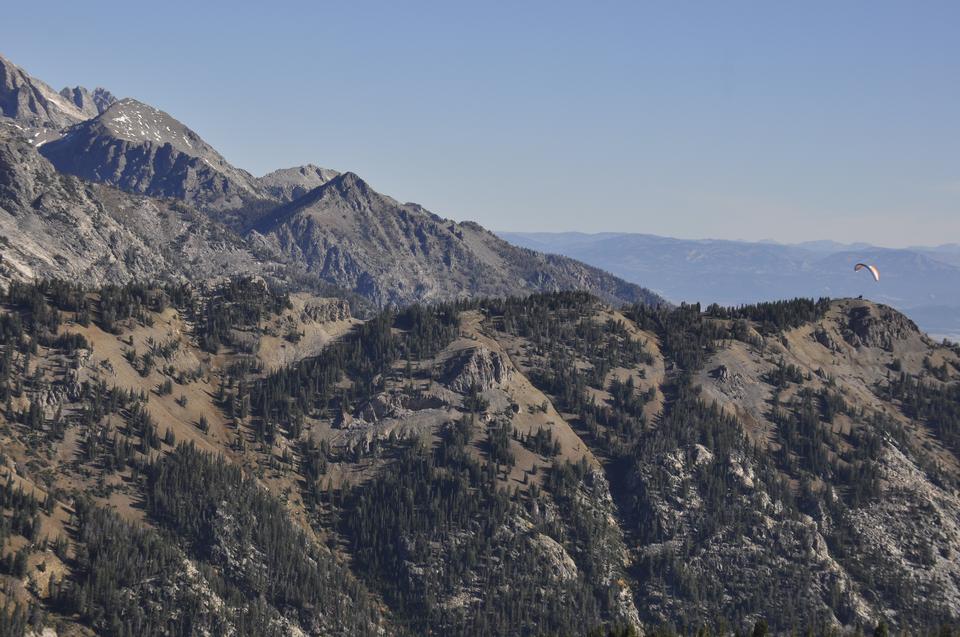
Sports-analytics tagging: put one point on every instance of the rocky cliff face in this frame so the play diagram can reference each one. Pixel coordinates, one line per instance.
(90, 103)
(478, 369)
(883, 328)
(143, 150)
(54, 225)
(33, 106)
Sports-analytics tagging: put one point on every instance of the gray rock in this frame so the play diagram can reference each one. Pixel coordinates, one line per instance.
(54, 225)
(90, 104)
(823, 337)
(143, 150)
(393, 254)
(35, 108)
(877, 326)
(326, 310)
(478, 367)
(288, 184)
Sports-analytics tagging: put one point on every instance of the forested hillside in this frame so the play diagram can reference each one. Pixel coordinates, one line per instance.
(246, 460)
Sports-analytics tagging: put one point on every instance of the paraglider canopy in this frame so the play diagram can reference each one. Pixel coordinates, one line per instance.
(872, 268)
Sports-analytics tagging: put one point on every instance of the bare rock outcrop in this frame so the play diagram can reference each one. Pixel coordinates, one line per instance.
(90, 103)
(824, 337)
(326, 310)
(33, 106)
(877, 326)
(478, 367)
(384, 406)
(558, 560)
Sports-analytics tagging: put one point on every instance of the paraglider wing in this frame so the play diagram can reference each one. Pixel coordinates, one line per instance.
(872, 268)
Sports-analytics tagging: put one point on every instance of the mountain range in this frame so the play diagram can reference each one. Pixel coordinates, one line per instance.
(924, 282)
(311, 223)
(291, 405)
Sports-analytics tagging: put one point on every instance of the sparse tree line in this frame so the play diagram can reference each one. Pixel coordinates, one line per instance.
(807, 449)
(937, 405)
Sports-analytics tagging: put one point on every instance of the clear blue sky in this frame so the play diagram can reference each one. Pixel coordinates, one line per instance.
(783, 120)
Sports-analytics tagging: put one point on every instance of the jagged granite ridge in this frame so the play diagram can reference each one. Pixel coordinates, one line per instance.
(356, 238)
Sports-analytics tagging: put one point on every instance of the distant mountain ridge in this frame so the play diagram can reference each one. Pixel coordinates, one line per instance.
(393, 253)
(309, 225)
(919, 281)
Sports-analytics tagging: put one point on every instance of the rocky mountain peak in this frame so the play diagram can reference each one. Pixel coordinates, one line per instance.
(33, 105)
(350, 184)
(90, 103)
(142, 149)
(344, 191)
(393, 254)
(135, 121)
(287, 184)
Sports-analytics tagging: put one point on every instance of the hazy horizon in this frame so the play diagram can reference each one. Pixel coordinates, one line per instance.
(798, 243)
(739, 122)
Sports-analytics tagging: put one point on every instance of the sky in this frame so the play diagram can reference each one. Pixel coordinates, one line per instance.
(789, 121)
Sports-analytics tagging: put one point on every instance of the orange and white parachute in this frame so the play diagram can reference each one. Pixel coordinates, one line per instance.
(872, 268)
